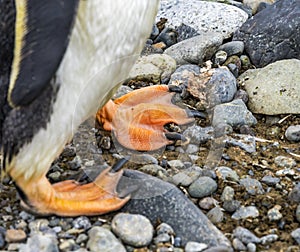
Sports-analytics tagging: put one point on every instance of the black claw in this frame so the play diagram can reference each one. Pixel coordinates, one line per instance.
(196, 113)
(175, 136)
(174, 88)
(117, 166)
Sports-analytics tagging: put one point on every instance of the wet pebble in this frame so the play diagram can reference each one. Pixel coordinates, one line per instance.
(233, 47)
(296, 235)
(285, 162)
(101, 239)
(274, 213)
(292, 133)
(134, 229)
(194, 246)
(203, 186)
(252, 186)
(270, 180)
(245, 235)
(245, 212)
(215, 215)
(15, 235)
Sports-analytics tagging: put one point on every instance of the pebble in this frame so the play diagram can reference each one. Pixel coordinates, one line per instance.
(274, 213)
(296, 235)
(231, 206)
(82, 222)
(285, 162)
(245, 236)
(203, 186)
(208, 203)
(68, 245)
(215, 215)
(101, 239)
(195, 247)
(176, 164)
(135, 230)
(15, 235)
(167, 36)
(233, 48)
(227, 194)
(238, 245)
(270, 180)
(198, 135)
(253, 186)
(294, 195)
(298, 213)
(268, 238)
(292, 133)
(162, 238)
(227, 174)
(39, 242)
(81, 238)
(181, 178)
(251, 247)
(152, 169)
(164, 228)
(245, 142)
(245, 212)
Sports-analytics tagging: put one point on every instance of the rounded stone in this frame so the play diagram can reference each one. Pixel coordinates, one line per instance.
(134, 229)
(292, 133)
(202, 187)
(298, 213)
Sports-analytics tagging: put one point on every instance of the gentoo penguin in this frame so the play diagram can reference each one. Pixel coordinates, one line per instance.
(90, 47)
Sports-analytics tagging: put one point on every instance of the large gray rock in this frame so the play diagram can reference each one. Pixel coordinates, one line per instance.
(274, 89)
(203, 16)
(272, 34)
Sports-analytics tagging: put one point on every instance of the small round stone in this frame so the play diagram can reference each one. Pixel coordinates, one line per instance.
(274, 213)
(194, 246)
(215, 215)
(292, 133)
(15, 235)
(82, 222)
(245, 212)
(298, 213)
(231, 206)
(245, 235)
(251, 247)
(203, 186)
(227, 194)
(238, 245)
(134, 229)
(296, 235)
(208, 203)
(253, 186)
(165, 228)
(285, 162)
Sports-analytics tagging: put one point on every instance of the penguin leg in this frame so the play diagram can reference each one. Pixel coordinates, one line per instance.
(137, 119)
(70, 198)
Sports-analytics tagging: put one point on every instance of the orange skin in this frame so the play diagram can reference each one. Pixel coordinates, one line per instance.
(137, 119)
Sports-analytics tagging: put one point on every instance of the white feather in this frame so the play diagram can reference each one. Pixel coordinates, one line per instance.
(106, 40)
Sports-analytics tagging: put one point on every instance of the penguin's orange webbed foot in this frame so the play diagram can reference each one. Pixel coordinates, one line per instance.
(137, 119)
(70, 198)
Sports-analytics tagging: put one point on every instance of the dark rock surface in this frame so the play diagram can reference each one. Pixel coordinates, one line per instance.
(270, 35)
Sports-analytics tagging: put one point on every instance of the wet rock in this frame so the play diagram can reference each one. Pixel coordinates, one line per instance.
(226, 173)
(270, 180)
(133, 229)
(233, 48)
(273, 89)
(39, 242)
(294, 195)
(245, 212)
(215, 215)
(194, 247)
(296, 235)
(285, 162)
(101, 239)
(271, 35)
(253, 186)
(245, 236)
(234, 113)
(168, 36)
(292, 133)
(195, 50)
(203, 16)
(156, 199)
(15, 235)
(203, 186)
(153, 68)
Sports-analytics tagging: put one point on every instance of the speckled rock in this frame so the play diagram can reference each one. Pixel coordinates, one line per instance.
(245, 212)
(39, 242)
(203, 16)
(245, 235)
(194, 247)
(292, 133)
(274, 213)
(252, 186)
(234, 113)
(232, 48)
(285, 162)
(226, 173)
(227, 194)
(294, 195)
(203, 186)
(133, 229)
(153, 68)
(273, 89)
(195, 50)
(296, 235)
(270, 180)
(198, 135)
(101, 239)
(215, 215)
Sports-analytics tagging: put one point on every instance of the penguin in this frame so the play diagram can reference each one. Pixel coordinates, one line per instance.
(60, 61)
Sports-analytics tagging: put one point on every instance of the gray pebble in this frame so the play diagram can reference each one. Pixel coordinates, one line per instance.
(233, 48)
(270, 180)
(101, 239)
(162, 238)
(296, 235)
(181, 178)
(215, 215)
(227, 194)
(251, 247)
(134, 229)
(39, 242)
(245, 236)
(285, 162)
(192, 148)
(198, 135)
(220, 57)
(68, 245)
(208, 203)
(81, 238)
(203, 186)
(152, 169)
(292, 133)
(82, 222)
(253, 186)
(143, 159)
(176, 164)
(226, 173)
(268, 238)
(294, 195)
(298, 213)
(164, 228)
(245, 212)
(231, 206)
(194, 246)
(274, 213)
(38, 225)
(238, 245)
